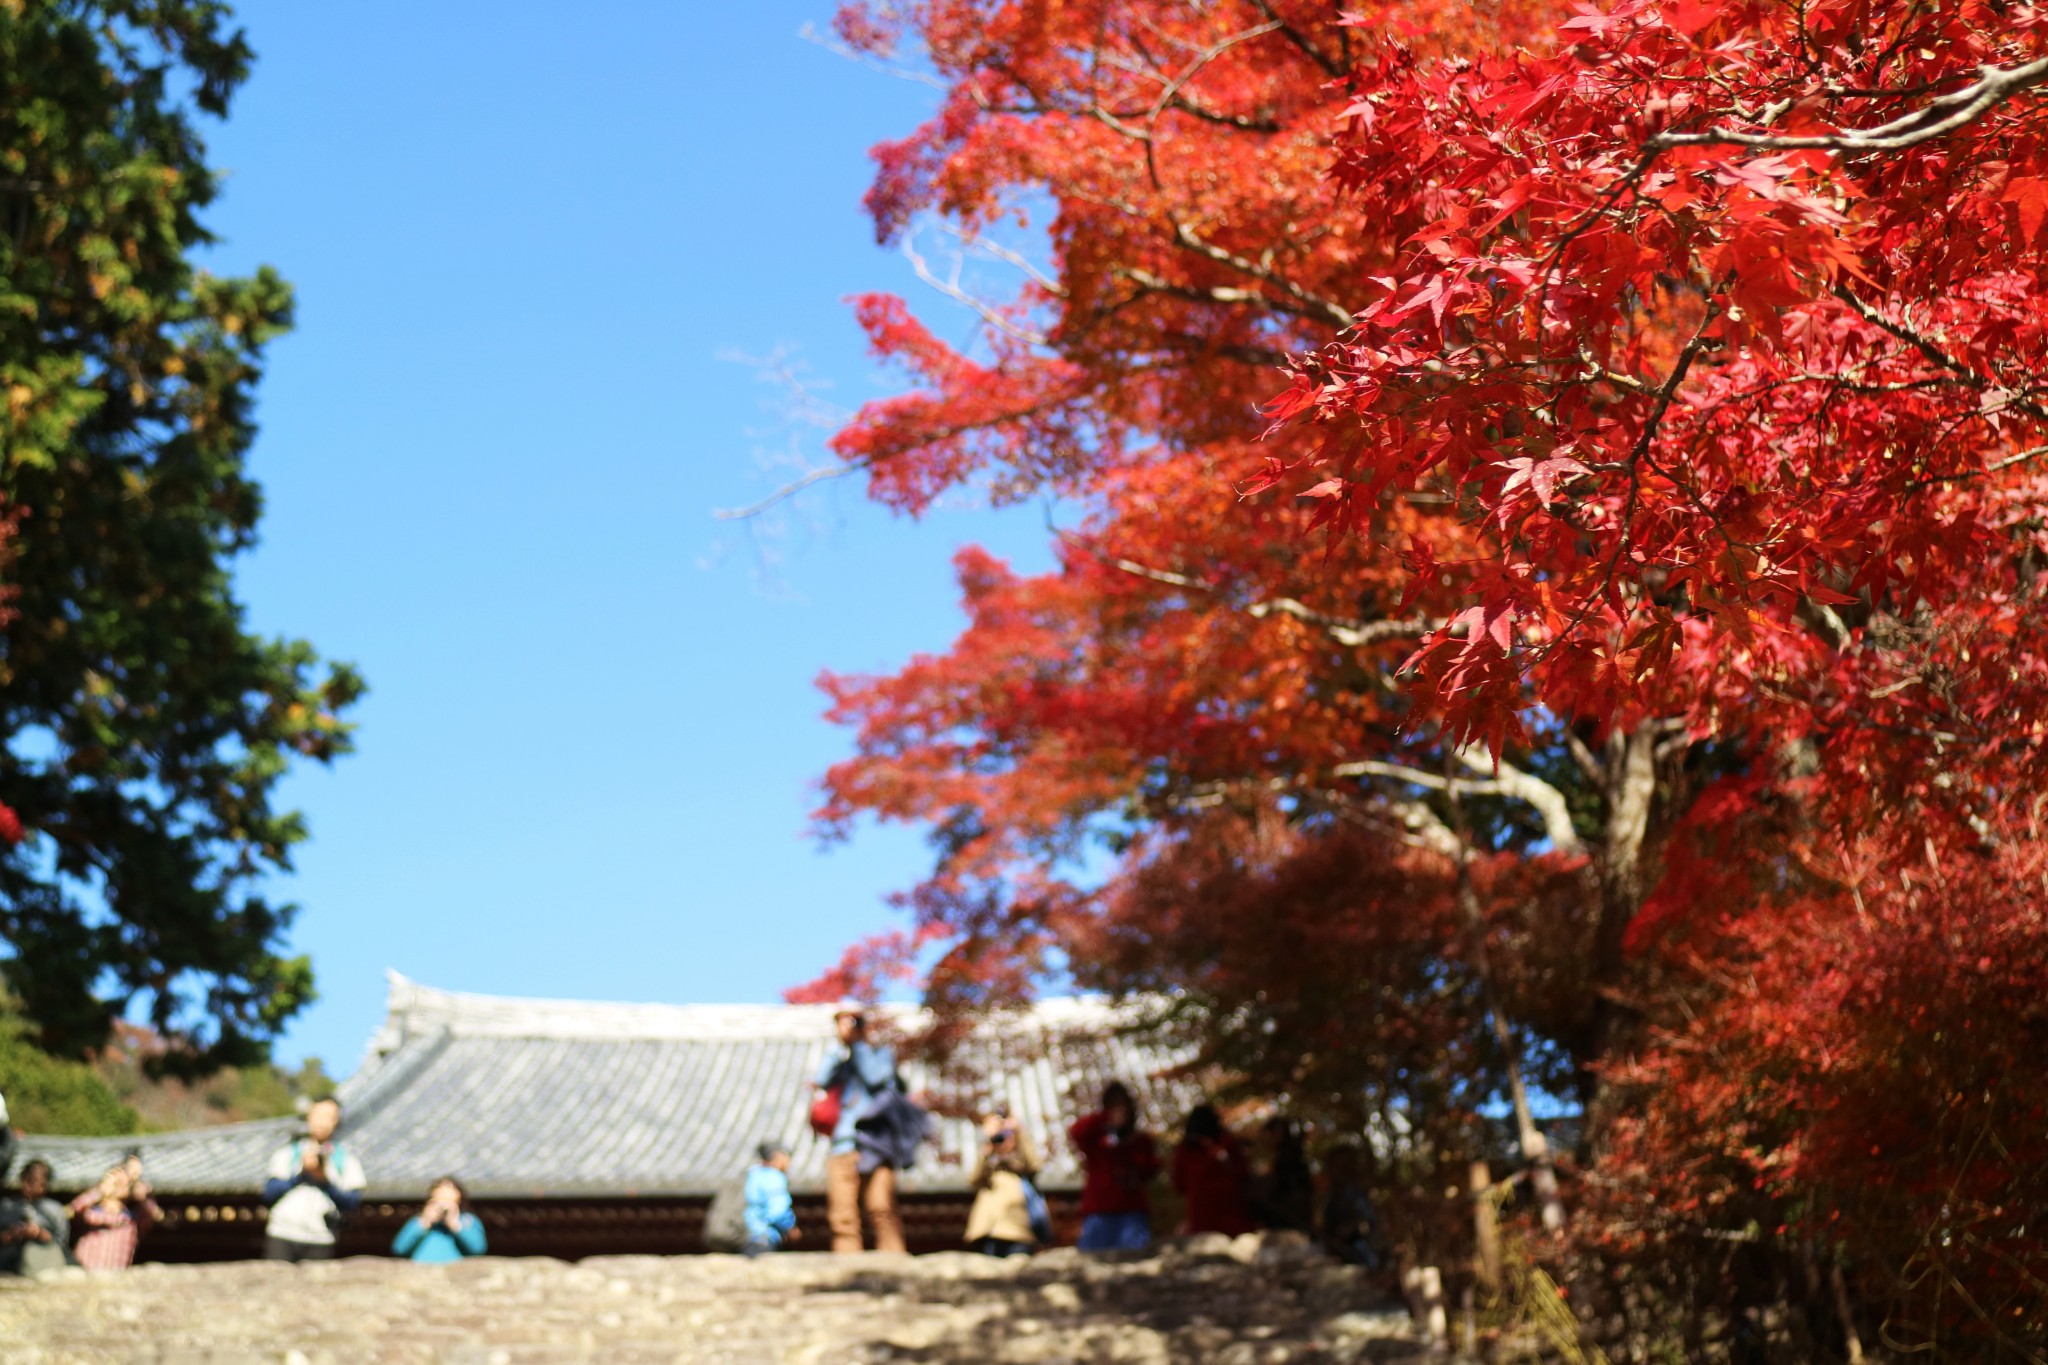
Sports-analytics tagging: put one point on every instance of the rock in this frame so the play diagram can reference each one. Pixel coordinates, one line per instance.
(1198, 1246)
(1194, 1301)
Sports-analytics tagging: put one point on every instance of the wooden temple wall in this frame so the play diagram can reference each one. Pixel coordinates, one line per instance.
(230, 1227)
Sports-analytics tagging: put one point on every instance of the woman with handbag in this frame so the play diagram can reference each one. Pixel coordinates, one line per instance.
(1008, 1217)
(852, 1078)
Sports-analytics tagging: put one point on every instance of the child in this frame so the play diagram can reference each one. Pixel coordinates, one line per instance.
(770, 1216)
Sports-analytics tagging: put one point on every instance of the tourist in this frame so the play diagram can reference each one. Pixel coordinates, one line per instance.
(863, 1076)
(1120, 1161)
(314, 1184)
(770, 1212)
(1212, 1173)
(1286, 1185)
(445, 1230)
(6, 1142)
(111, 1219)
(1350, 1222)
(35, 1232)
(1008, 1216)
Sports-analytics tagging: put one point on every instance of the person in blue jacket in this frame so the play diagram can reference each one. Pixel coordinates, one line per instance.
(445, 1230)
(770, 1215)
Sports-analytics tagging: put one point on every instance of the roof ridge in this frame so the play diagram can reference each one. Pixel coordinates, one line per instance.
(413, 1008)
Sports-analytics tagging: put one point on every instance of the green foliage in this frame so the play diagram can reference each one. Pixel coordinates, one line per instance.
(48, 1094)
(311, 1080)
(145, 728)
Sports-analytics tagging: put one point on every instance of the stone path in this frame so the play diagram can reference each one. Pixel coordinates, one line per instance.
(1205, 1299)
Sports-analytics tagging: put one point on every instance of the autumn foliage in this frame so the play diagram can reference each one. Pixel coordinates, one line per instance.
(1553, 519)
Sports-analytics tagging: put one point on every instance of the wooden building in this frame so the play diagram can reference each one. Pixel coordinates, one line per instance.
(587, 1128)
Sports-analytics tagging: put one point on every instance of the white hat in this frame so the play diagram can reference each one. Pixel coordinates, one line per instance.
(848, 1005)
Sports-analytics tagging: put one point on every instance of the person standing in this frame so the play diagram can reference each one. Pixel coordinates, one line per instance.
(1120, 1161)
(1000, 1222)
(1351, 1224)
(113, 1218)
(1287, 1187)
(314, 1184)
(6, 1142)
(770, 1213)
(862, 1073)
(1212, 1173)
(35, 1232)
(445, 1230)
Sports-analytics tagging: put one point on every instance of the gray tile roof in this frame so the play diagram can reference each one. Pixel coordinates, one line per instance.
(536, 1098)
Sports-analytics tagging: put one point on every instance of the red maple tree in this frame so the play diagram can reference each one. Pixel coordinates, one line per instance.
(1612, 643)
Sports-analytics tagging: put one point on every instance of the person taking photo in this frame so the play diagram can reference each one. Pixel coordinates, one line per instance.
(1120, 1160)
(444, 1230)
(314, 1184)
(1001, 1221)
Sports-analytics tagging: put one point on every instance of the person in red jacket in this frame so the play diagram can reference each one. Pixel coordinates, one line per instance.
(1212, 1173)
(1120, 1160)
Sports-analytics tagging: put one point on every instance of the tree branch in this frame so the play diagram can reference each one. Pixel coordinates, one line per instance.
(1938, 118)
(1507, 780)
(1547, 800)
(788, 490)
(1313, 305)
(1349, 633)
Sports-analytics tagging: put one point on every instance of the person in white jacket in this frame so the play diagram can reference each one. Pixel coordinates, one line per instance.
(314, 1184)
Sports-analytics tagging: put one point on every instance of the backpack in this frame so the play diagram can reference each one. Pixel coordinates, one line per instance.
(1036, 1210)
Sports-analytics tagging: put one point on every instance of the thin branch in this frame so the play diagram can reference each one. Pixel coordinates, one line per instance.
(1938, 118)
(989, 313)
(1352, 633)
(1331, 68)
(809, 33)
(788, 490)
(1316, 302)
(1349, 633)
(2008, 462)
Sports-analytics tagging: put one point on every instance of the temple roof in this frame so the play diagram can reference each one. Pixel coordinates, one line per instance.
(540, 1098)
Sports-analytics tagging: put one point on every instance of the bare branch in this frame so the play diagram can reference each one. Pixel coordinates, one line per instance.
(788, 490)
(989, 313)
(810, 33)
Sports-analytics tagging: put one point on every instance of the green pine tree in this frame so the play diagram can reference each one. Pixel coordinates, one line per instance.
(145, 727)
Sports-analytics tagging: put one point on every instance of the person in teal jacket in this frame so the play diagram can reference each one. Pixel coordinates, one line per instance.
(445, 1230)
(770, 1213)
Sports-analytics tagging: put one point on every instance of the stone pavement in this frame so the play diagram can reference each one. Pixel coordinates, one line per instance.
(1203, 1299)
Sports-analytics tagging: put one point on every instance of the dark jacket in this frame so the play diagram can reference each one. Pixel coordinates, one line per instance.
(888, 1131)
(16, 1210)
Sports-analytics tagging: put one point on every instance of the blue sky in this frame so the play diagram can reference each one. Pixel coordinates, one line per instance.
(526, 239)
